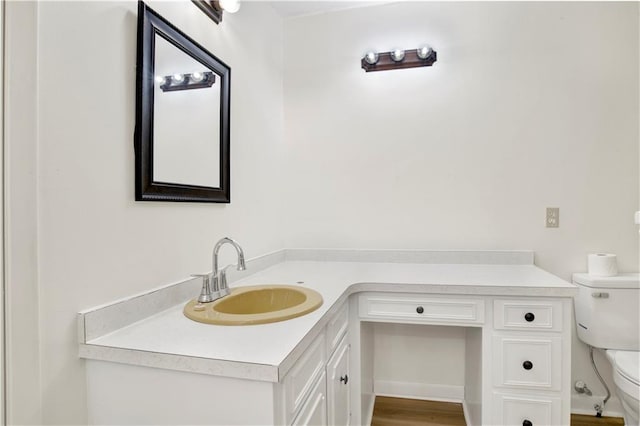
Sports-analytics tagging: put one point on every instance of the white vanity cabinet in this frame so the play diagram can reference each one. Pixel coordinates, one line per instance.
(315, 390)
(517, 353)
(507, 325)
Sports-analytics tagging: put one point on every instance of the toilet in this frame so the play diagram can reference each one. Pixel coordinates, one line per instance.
(607, 313)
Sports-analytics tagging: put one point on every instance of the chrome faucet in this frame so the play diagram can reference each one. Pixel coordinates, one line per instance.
(216, 287)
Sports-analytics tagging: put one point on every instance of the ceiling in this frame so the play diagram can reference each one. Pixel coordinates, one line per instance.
(293, 8)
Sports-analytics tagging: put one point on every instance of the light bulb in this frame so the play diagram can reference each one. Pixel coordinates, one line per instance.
(423, 52)
(160, 80)
(178, 78)
(197, 77)
(397, 55)
(231, 6)
(371, 58)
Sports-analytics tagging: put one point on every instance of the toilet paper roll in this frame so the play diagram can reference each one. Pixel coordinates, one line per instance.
(603, 265)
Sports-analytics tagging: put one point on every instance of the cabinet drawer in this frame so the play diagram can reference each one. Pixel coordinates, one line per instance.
(422, 309)
(527, 411)
(525, 362)
(314, 409)
(303, 375)
(337, 327)
(528, 315)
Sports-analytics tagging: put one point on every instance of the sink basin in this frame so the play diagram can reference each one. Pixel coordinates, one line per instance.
(256, 305)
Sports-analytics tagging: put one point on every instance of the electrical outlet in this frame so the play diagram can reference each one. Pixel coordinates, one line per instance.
(553, 217)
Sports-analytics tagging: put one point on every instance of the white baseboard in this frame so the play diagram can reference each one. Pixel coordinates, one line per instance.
(369, 412)
(472, 413)
(465, 412)
(445, 393)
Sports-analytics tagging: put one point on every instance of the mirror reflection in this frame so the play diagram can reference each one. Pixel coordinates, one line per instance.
(182, 125)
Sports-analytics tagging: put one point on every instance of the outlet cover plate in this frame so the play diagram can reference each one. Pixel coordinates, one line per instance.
(553, 217)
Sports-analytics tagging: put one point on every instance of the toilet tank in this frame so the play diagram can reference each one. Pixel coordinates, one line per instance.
(607, 311)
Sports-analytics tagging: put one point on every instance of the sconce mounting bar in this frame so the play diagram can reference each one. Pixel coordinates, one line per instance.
(411, 60)
(211, 8)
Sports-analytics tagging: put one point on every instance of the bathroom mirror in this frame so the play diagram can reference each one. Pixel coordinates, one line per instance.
(182, 116)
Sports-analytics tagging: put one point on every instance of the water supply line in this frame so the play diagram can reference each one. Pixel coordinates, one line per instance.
(599, 407)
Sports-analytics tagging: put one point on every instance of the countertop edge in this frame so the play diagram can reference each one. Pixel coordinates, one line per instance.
(184, 363)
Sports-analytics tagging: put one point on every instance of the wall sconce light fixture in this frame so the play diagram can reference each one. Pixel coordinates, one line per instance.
(424, 56)
(196, 80)
(213, 8)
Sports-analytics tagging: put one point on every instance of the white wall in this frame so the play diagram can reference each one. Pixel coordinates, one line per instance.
(530, 105)
(20, 215)
(96, 244)
(418, 355)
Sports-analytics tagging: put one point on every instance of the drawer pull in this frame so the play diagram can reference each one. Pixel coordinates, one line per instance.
(419, 309)
(344, 379)
(527, 365)
(529, 317)
(527, 423)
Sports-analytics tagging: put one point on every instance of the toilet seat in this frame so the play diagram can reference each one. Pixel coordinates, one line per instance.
(626, 372)
(628, 365)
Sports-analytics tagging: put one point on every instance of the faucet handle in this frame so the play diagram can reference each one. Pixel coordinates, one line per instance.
(206, 294)
(205, 277)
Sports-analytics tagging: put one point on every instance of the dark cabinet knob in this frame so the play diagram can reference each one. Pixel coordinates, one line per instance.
(344, 379)
(529, 317)
(527, 365)
(419, 309)
(527, 423)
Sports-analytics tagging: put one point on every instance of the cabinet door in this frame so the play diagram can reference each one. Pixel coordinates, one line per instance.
(303, 375)
(314, 410)
(338, 386)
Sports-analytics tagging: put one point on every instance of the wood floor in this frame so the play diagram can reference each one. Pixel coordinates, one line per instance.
(577, 420)
(408, 412)
(412, 412)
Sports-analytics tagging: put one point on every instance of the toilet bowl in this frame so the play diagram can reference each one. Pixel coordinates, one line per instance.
(626, 372)
(607, 311)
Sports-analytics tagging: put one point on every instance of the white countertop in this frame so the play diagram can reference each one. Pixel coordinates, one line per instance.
(265, 352)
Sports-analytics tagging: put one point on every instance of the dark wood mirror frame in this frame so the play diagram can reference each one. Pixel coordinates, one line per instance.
(151, 23)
